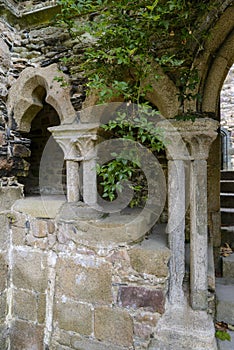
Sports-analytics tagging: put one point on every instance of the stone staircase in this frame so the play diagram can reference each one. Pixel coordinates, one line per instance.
(225, 284)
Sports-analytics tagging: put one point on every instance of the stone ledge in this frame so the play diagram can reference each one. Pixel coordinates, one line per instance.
(152, 255)
(105, 230)
(29, 19)
(39, 207)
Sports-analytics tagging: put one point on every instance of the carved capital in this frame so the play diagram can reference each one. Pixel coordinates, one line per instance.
(199, 144)
(189, 139)
(76, 140)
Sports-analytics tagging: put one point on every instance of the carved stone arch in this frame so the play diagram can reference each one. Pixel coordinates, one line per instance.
(216, 61)
(164, 94)
(33, 86)
(216, 76)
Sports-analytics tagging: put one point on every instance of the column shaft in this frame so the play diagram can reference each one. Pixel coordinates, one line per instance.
(73, 183)
(89, 181)
(176, 229)
(198, 234)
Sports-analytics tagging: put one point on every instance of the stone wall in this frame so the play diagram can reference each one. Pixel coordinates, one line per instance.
(62, 284)
(37, 47)
(59, 293)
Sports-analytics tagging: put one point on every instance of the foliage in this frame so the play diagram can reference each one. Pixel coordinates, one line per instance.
(61, 80)
(126, 166)
(128, 40)
(222, 335)
(129, 37)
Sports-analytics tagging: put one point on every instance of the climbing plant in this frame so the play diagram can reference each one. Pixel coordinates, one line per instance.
(128, 40)
(129, 37)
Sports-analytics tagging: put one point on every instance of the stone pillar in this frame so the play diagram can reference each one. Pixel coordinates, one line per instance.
(78, 142)
(86, 144)
(199, 145)
(73, 182)
(89, 181)
(177, 155)
(198, 234)
(176, 229)
(198, 135)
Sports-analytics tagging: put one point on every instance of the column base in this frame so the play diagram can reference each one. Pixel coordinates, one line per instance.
(182, 328)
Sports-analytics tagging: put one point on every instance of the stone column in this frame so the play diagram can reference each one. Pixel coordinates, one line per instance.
(198, 234)
(89, 181)
(86, 144)
(199, 144)
(73, 182)
(78, 143)
(177, 155)
(176, 229)
(198, 135)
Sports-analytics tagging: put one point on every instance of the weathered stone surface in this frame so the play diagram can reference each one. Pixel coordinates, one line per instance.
(137, 297)
(39, 228)
(228, 264)
(18, 235)
(29, 270)
(224, 300)
(8, 196)
(85, 278)
(41, 308)
(3, 272)
(142, 330)
(50, 226)
(113, 325)
(25, 305)
(72, 316)
(4, 231)
(3, 307)
(3, 338)
(27, 336)
(86, 344)
(46, 207)
(62, 337)
(182, 328)
(113, 230)
(151, 257)
(5, 60)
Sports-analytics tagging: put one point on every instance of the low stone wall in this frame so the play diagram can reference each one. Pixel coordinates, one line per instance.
(59, 293)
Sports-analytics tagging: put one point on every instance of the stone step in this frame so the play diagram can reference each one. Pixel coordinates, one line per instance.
(227, 175)
(227, 200)
(225, 300)
(228, 267)
(227, 235)
(227, 216)
(227, 186)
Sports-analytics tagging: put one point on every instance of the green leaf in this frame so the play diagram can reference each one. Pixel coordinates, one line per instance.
(223, 335)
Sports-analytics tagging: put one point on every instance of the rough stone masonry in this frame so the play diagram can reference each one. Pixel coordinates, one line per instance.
(70, 279)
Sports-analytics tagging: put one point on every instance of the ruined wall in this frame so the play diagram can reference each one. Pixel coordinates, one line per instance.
(63, 286)
(19, 50)
(67, 292)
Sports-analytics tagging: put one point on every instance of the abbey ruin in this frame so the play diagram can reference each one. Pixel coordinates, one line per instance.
(76, 277)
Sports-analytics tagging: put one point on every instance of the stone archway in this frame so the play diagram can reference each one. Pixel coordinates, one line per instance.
(26, 95)
(36, 102)
(213, 65)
